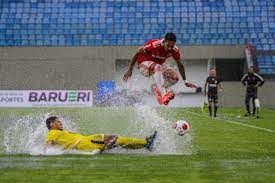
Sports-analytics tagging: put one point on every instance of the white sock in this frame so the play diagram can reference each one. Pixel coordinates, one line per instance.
(159, 81)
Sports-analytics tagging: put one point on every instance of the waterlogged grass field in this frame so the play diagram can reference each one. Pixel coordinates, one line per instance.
(231, 148)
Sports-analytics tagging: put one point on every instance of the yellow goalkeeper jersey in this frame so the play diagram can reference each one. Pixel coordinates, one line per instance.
(64, 138)
(71, 140)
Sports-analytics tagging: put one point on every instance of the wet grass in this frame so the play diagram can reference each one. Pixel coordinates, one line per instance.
(222, 151)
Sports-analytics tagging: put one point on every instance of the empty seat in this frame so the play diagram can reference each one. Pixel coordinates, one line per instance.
(195, 22)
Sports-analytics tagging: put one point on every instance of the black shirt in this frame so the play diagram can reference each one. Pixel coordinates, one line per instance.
(212, 84)
(251, 80)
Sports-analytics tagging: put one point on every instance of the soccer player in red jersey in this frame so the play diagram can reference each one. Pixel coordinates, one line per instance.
(151, 62)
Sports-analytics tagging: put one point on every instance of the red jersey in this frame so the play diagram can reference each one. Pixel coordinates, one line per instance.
(155, 51)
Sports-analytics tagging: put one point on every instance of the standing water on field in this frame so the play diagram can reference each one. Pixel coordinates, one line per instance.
(167, 141)
(25, 134)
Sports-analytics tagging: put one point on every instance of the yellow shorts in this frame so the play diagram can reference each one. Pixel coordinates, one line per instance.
(91, 142)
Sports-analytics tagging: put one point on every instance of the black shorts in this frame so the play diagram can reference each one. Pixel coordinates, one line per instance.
(251, 95)
(212, 97)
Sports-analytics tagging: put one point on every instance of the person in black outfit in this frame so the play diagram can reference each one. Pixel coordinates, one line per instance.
(252, 81)
(213, 83)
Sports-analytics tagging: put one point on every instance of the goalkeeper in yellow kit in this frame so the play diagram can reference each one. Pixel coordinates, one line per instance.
(96, 142)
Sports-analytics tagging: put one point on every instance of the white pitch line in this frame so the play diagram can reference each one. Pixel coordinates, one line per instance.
(235, 122)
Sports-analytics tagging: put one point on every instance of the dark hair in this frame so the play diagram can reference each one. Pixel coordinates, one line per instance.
(49, 120)
(170, 37)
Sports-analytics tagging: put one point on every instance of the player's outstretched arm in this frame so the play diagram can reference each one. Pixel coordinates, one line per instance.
(129, 71)
(181, 69)
(182, 73)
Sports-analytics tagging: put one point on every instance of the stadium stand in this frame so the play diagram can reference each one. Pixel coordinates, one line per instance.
(107, 23)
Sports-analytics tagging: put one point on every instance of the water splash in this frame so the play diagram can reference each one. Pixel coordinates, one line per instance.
(167, 141)
(26, 135)
(147, 118)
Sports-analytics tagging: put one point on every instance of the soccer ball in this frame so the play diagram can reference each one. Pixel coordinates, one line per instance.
(181, 127)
